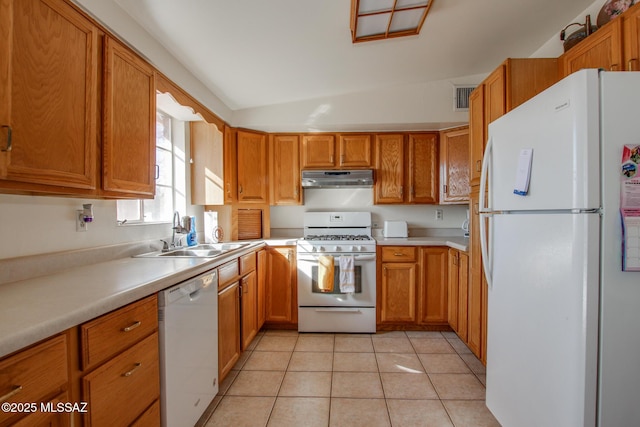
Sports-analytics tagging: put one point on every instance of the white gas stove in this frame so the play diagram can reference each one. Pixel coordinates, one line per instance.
(333, 240)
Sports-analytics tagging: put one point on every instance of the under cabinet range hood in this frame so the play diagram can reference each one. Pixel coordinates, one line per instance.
(355, 178)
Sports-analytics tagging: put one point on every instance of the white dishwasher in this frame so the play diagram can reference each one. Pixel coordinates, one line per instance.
(188, 322)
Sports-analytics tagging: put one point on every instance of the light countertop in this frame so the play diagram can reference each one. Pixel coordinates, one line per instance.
(456, 242)
(37, 308)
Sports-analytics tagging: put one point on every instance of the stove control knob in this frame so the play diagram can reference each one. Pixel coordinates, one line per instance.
(314, 249)
(354, 248)
(338, 249)
(321, 249)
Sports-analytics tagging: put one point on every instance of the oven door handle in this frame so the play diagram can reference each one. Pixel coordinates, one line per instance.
(338, 309)
(310, 257)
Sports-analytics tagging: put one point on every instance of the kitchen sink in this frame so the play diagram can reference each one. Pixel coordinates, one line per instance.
(205, 250)
(192, 253)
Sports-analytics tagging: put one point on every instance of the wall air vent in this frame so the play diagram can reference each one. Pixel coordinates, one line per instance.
(461, 97)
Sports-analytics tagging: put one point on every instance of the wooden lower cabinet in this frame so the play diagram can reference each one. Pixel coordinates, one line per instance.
(120, 390)
(412, 286)
(228, 328)
(249, 309)
(458, 291)
(281, 294)
(261, 287)
(37, 374)
(398, 292)
(120, 378)
(433, 296)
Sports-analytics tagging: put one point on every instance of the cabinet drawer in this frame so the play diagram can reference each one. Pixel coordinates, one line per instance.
(52, 418)
(108, 335)
(124, 387)
(227, 273)
(150, 418)
(34, 375)
(247, 263)
(398, 253)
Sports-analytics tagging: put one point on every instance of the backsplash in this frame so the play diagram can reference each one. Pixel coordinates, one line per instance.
(418, 217)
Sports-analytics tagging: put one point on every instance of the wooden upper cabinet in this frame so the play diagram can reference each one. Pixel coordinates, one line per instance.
(355, 151)
(389, 186)
(318, 151)
(251, 160)
(602, 49)
(230, 167)
(631, 36)
(476, 134)
(512, 83)
(129, 123)
(48, 98)
(207, 168)
(454, 166)
(284, 170)
(423, 168)
(348, 151)
(417, 183)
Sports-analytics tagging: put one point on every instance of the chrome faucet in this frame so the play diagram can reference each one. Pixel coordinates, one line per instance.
(177, 228)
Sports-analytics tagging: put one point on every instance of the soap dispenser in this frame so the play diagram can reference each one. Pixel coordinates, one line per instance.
(192, 238)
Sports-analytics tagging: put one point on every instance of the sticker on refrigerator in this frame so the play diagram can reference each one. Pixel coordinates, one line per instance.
(523, 172)
(630, 207)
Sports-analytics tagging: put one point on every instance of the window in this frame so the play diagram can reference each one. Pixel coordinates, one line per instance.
(170, 177)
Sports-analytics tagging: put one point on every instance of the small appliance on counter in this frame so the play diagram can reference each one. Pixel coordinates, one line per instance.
(395, 229)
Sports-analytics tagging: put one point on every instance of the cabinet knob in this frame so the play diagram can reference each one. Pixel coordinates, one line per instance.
(132, 326)
(240, 189)
(478, 165)
(632, 64)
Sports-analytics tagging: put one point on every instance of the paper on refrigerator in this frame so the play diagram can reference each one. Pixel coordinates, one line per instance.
(630, 207)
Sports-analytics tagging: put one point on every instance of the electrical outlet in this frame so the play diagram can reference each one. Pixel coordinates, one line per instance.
(439, 214)
(81, 225)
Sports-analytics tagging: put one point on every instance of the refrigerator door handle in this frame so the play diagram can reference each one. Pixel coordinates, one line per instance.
(487, 263)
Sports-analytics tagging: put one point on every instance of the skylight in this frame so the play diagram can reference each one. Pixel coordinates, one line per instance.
(383, 19)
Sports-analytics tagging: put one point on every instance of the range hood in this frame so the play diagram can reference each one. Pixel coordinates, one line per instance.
(356, 178)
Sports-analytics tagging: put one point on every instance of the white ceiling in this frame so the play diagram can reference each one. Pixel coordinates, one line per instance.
(253, 53)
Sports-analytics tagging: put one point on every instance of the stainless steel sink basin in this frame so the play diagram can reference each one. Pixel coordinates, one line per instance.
(206, 250)
(192, 253)
(221, 246)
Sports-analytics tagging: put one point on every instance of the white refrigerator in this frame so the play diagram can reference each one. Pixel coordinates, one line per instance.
(563, 344)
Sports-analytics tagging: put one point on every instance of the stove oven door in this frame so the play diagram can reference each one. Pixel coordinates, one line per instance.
(311, 293)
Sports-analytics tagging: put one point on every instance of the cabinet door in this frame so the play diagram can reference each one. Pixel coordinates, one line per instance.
(207, 171)
(129, 123)
(631, 34)
(249, 298)
(474, 300)
(230, 167)
(355, 151)
(434, 282)
(318, 151)
(251, 152)
(453, 289)
(285, 170)
(281, 293)
(398, 293)
(48, 97)
(602, 49)
(495, 96)
(463, 294)
(49, 418)
(389, 186)
(228, 329)
(262, 283)
(423, 168)
(454, 166)
(477, 136)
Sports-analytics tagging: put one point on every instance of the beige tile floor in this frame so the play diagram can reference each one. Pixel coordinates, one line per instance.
(386, 379)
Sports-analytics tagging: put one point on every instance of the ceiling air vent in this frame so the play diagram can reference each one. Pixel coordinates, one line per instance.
(461, 97)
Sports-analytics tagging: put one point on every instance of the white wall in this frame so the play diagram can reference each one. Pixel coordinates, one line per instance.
(426, 106)
(343, 199)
